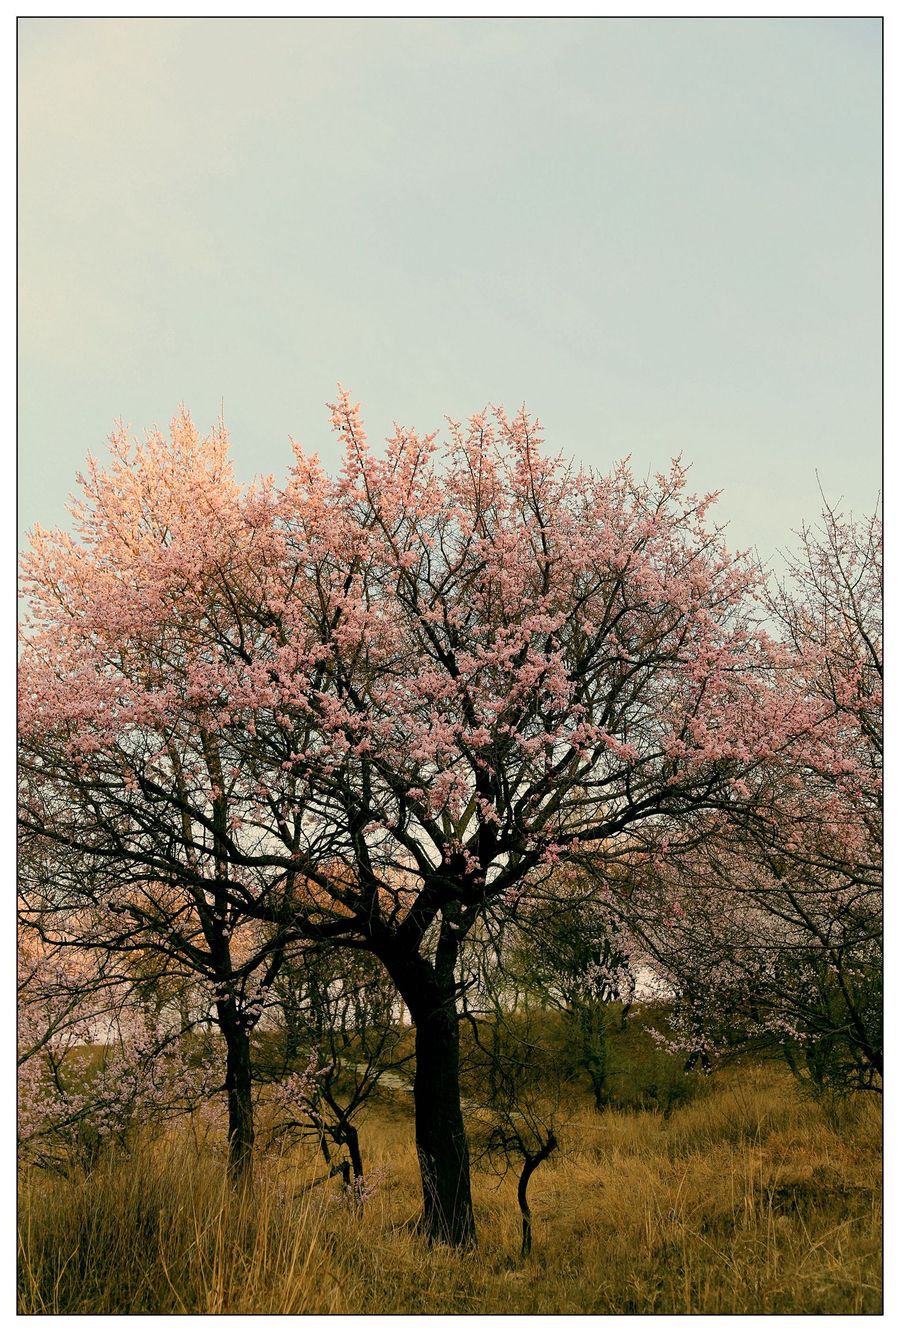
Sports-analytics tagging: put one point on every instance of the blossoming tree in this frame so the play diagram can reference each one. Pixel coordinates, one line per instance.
(770, 929)
(363, 708)
(125, 793)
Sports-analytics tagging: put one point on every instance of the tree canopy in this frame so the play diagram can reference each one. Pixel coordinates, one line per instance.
(366, 708)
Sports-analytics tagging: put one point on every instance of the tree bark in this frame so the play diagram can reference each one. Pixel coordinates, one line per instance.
(440, 1132)
(352, 1140)
(429, 991)
(239, 1089)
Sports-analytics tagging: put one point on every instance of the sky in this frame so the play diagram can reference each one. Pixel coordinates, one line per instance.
(662, 236)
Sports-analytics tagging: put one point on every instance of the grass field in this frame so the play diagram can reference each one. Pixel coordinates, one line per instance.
(749, 1199)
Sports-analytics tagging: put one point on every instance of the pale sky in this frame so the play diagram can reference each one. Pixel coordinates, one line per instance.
(663, 236)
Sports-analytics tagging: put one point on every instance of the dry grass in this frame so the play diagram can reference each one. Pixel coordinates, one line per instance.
(749, 1200)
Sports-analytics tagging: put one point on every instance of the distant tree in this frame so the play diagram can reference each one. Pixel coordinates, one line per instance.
(362, 709)
(770, 930)
(175, 953)
(341, 1028)
(571, 954)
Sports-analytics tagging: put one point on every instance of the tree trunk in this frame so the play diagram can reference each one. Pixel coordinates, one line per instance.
(351, 1137)
(239, 1089)
(429, 992)
(530, 1163)
(440, 1133)
(591, 1023)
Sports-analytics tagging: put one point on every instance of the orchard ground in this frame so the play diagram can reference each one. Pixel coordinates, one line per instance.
(751, 1197)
